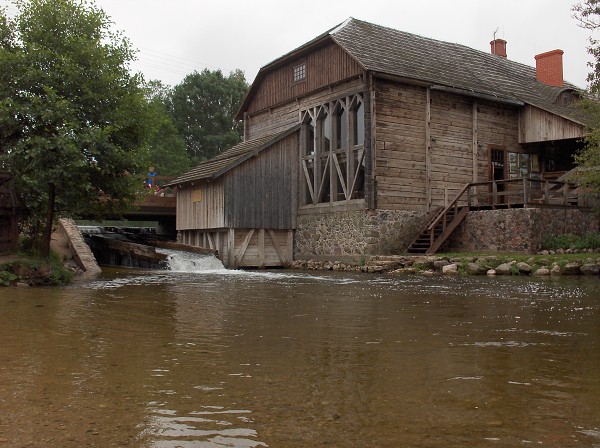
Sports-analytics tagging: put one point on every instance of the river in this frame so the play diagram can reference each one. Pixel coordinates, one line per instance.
(217, 358)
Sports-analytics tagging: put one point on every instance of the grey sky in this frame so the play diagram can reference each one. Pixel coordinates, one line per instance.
(176, 37)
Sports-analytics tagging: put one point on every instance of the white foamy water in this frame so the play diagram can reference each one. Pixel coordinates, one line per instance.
(178, 261)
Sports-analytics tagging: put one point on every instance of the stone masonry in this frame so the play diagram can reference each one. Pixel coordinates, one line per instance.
(518, 230)
(361, 232)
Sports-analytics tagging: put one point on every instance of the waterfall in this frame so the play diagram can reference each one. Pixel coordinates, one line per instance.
(179, 261)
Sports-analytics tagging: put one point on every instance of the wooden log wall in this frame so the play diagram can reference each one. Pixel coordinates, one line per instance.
(400, 140)
(429, 143)
(451, 159)
(325, 66)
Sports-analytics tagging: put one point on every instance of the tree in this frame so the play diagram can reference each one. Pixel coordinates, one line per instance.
(166, 147)
(204, 107)
(73, 121)
(587, 14)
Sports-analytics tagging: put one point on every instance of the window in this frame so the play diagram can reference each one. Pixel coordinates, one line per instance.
(332, 153)
(300, 72)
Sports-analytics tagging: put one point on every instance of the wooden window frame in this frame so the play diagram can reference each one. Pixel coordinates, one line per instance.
(299, 69)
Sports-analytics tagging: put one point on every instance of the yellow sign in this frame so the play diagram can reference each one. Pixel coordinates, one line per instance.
(197, 195)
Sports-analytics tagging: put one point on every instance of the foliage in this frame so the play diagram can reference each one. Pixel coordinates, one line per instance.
(587, 14)
(7, 278)
(73, 121)
(35, 271)
(166, 147)
(570, 241)
(204, 107)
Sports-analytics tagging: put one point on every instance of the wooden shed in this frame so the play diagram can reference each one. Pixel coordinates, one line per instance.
(243, 202)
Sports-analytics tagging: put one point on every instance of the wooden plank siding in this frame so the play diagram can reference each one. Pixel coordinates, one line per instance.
(325, 66)
(200, 206)
(262, 192)
(537, 125)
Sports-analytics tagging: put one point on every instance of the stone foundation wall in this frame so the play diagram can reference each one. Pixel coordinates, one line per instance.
(361, 232)
(518, 230)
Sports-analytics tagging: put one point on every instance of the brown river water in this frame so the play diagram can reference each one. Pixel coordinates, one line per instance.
(216, 358)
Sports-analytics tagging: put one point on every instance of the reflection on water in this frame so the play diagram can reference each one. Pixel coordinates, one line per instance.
(289, 359)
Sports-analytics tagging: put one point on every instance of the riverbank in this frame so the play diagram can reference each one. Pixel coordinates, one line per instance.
(546, 263)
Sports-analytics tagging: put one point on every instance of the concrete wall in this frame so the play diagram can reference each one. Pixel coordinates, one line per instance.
(518, 230)
(361, 232)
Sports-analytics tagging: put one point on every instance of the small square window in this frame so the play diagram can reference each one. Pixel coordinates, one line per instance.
(300, 72)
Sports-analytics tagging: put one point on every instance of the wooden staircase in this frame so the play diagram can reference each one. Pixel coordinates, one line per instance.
(440, 227)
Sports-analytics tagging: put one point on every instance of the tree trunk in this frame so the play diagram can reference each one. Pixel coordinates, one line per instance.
(45, 249)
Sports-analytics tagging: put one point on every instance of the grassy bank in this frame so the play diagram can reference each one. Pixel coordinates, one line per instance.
(31, 270)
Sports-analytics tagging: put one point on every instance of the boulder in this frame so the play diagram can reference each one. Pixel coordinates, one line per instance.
(505, 268)
(475, 269)
(439, 264)
(590, 269)
(450, 269)
(542, 272)
(571, 268)
(491, 273)
(524, 268)
(555, 270)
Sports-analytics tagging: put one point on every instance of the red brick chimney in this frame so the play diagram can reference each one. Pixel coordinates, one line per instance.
(498, 47)
(549, 68)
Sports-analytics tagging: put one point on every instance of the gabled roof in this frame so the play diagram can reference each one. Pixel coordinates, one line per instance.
(229, 159)
(387, 51)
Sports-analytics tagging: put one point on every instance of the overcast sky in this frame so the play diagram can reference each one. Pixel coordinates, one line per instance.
(176, 37)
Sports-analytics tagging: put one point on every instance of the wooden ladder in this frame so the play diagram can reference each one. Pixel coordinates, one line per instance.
(437, 231)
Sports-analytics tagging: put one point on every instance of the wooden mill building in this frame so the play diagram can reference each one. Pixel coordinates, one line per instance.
(358, 140)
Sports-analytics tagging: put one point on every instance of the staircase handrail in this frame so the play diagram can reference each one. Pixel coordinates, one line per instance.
(451, 205)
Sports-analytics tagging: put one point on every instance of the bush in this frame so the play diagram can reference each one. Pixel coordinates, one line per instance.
(570, 241)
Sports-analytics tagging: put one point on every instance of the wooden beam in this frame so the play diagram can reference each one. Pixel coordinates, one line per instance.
(242, 249)
(261, 248)
(428, 148)
(276, 246)
(309, 182)
(475, 141)
(340, 176)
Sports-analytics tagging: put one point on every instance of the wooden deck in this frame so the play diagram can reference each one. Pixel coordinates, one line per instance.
(493, 195)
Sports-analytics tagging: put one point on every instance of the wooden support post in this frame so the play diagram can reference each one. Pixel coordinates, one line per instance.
(290, 246)
(350, 155)
(428, 148)
(261, 249)
(318, 163)
(475, 141)
(230, 255)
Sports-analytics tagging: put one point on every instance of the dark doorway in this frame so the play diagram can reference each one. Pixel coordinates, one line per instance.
(498, 172)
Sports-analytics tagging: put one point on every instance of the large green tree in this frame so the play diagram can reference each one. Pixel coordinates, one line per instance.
(587, 14)
(166, 147)
(74, 122)
(204, 106)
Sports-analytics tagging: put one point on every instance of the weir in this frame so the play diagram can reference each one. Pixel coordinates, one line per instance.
(180, 261)
(142, 248)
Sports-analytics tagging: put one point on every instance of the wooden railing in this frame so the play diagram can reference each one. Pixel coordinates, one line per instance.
(522, 191)
(494, 194)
